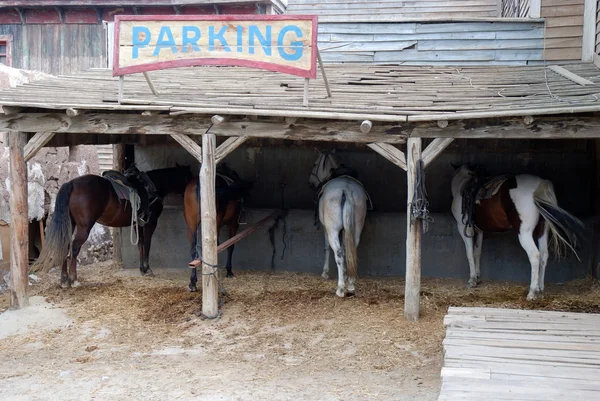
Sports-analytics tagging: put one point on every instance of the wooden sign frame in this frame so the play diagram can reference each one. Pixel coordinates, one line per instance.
(118, 70)
(186, 51)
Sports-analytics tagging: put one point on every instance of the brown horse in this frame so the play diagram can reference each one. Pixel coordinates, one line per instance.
(230, 190)
(88, 199)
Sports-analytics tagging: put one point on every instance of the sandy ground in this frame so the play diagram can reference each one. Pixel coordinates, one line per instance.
(282, 336)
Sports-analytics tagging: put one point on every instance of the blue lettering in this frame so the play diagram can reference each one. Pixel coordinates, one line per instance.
(163, 42)
(296, 46)
(240, 33)
(187, 40)
(265, 41)
(218, 36)
(141, 39)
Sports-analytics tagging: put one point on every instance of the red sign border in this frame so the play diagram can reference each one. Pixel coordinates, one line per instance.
(163, 65)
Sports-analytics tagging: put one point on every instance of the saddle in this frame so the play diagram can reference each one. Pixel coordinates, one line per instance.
(136, 187)
(478, 188)
(236, 189)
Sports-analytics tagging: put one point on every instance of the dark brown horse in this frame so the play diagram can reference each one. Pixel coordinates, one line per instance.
(230, 190)
(88, 199)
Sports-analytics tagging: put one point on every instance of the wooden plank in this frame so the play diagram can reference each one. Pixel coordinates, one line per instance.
(19, 227)
(190, 124)
(562, 54)
(117, 233)
(564, 32)
(565, 21)
(569, 75)
(391, 153)
(412, 288)
(38, 141)
(564, 11)
(589, 31)
(210, 272)
(190, 145)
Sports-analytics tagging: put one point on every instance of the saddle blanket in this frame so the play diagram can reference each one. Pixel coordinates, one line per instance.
(491, 187)
(122, 187)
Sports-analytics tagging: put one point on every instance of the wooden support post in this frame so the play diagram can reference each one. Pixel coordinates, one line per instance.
(118, 165)
(19, 227)
(121, 87)
(210, 274)
(228, 146)
(413, 237)
(36, 143)
(190, 145)
(150, 83)
(305, 101)
(323, 72)
(589, 31)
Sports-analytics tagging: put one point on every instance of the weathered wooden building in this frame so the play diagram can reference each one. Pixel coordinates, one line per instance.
(453, 32)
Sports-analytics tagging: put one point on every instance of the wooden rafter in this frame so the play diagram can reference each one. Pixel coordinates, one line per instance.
(38, 141)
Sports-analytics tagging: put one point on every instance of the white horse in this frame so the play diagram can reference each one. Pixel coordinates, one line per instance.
(342, 207)
(523, 203)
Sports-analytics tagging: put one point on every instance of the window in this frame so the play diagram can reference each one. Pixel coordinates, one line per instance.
(5, 49)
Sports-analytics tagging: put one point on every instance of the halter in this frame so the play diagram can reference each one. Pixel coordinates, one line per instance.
(312, 173)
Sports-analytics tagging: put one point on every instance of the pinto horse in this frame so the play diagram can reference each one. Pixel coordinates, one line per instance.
(88, 199)
(230, 190)
(342, 210)
(523, 203)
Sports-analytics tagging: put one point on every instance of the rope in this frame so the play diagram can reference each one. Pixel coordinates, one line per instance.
(419, 207)
(135, 201)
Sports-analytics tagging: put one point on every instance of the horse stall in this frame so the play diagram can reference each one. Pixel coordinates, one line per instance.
(278, 326)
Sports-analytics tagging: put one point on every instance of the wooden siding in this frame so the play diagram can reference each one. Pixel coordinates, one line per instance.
(57, 48)
(564, 29)
(459, 43)
(335, 9)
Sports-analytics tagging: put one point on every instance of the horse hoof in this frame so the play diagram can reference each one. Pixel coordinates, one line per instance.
(230, 275)
(192, 288)
(340, 293)
(350, 293)
(65, 285)
(534, 295)
(76, 284)
(472, 283)
(148, 273)
(325, 276)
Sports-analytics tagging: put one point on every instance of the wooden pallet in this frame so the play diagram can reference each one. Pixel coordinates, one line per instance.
(508, 354)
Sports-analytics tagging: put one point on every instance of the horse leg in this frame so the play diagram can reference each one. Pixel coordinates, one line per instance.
(543, 247)
(64, 276)
(470, 257)
(528, 244)
(340, 260)
(140, 246)
(477, 255)
(64, 273)
(196, 252)
(326, 263)
(81, 235)
(233, 227)
(148, 230)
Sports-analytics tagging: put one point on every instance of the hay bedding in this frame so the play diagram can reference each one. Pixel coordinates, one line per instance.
(291, 317)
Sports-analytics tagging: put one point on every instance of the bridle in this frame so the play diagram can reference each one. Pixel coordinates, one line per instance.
(313, 174)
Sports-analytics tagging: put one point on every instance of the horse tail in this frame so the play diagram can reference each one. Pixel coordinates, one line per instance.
(59, 232)
(349, 244)
(567, 230)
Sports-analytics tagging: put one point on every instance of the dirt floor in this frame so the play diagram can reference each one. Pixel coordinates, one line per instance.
(282, 336)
